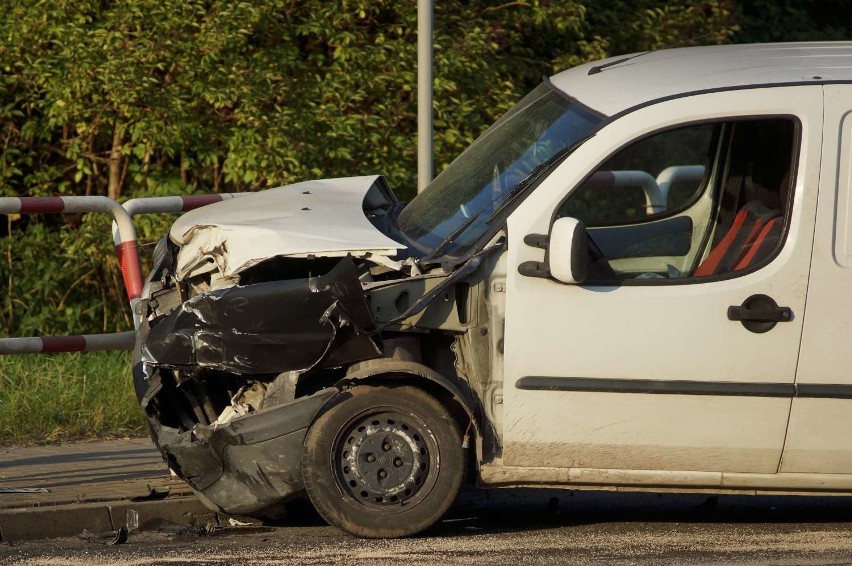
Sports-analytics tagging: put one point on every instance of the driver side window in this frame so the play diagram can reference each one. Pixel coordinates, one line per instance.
(697, 201)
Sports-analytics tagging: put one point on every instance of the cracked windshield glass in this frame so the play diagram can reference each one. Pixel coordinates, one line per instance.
(458, 204)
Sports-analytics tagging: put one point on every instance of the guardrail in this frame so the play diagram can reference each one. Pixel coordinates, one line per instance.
(126, 248)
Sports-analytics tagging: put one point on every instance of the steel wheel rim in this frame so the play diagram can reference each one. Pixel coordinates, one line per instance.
(385, 460)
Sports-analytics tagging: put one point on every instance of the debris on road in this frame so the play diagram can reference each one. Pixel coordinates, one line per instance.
(154, 494)
(109, 538)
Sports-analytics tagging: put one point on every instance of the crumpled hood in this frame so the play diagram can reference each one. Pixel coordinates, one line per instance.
(323, 217)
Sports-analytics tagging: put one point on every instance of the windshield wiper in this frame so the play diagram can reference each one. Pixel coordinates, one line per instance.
(510, 197)
(519, 188)
(535, 174)
(452, 236)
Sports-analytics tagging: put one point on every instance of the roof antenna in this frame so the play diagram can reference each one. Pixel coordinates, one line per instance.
(598, 68)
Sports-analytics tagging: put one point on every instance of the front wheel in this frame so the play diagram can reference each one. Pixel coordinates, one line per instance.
(383, 462)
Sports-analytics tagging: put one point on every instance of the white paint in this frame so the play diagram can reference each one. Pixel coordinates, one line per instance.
(819, 439)
(643, 432)
(663, 332)
(673, 72)
(561, 244)
(323, 217)
(496, 474)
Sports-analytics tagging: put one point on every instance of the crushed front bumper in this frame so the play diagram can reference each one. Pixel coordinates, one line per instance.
(249, 464)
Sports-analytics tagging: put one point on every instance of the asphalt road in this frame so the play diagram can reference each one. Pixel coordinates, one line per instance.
(510, 527)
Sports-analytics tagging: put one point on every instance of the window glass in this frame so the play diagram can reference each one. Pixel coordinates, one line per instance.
(698, 201)
(456, 208)
(652, 176)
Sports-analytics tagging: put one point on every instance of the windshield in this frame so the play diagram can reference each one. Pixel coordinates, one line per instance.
(460, 201)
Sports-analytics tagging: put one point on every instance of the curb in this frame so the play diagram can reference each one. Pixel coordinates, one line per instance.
(100, 487)
(70, 520)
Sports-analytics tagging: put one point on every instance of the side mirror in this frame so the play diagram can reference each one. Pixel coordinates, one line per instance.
(568, 251)
(566, 257)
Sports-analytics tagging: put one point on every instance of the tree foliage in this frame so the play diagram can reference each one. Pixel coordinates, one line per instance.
(153, 97)
(115, 97)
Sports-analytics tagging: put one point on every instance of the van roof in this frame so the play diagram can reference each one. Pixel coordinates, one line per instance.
(619, 83)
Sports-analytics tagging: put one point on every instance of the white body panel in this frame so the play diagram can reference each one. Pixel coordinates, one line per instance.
(629, 81)
(819, 436)
(659, 332)
(323, 217)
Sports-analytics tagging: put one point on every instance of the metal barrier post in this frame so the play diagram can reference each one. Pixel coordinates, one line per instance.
(126, 248)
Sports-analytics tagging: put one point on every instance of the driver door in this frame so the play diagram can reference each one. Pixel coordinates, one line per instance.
(640, 367)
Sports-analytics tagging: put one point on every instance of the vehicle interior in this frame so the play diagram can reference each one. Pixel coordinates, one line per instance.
(704, 200)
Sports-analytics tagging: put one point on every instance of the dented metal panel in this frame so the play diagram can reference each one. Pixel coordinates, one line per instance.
(245, 457)
(268, 327)
(248, 464)
(242, 343)
(323, 217)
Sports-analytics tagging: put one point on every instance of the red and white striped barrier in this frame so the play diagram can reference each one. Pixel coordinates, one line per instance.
(126, 248)
(82, 343)
(129, 260)
(166, 204)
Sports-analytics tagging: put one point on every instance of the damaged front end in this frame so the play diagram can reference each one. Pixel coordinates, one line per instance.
(221, 377)
(267, 327)
(260, 310)
(230, 328)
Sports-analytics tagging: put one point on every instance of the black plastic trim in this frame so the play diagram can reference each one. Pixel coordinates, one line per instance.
(603, 67)
(732, 88)
(824, 391)
(654, 386)
(684, 387)
(540, 241)
(534, 269)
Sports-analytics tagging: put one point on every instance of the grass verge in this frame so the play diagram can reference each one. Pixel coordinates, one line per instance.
(51, 397)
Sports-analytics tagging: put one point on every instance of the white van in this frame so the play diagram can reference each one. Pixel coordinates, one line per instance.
(636, 279)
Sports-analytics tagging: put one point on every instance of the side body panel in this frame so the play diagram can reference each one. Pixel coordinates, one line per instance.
(821, 418)
(664, 332)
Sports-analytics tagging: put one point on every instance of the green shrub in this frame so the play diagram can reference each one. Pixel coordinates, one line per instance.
(47, 398)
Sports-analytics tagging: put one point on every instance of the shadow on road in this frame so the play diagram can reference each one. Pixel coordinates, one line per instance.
(517, 510)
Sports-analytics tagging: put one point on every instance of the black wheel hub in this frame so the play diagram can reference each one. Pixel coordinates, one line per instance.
(383, 458)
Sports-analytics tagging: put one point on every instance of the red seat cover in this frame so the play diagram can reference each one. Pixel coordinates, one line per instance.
(752, 236)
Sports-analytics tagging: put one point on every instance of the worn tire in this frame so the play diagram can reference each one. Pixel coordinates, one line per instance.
(383, 462)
